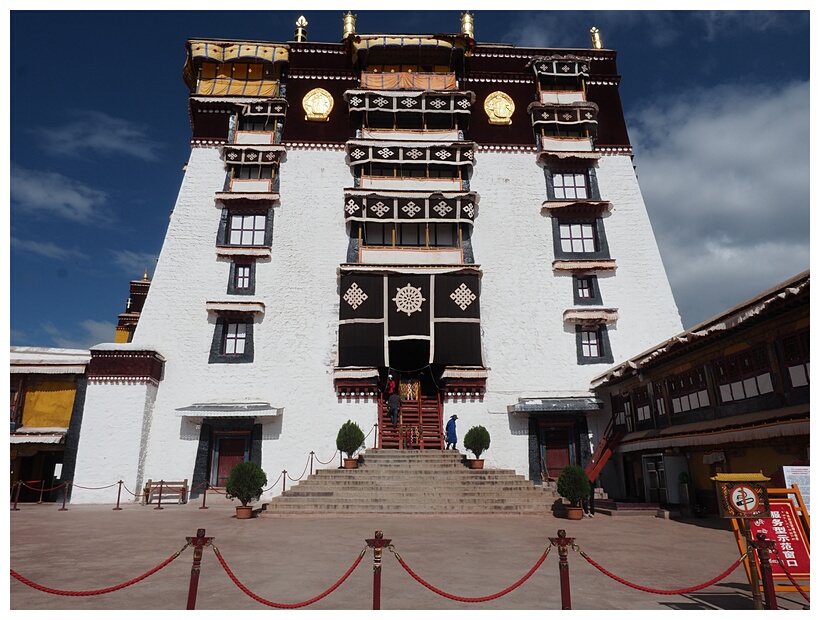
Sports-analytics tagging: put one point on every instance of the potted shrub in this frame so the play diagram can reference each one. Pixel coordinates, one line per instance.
(348, 441)
(244, 483)
(477, 440)
(573, 485)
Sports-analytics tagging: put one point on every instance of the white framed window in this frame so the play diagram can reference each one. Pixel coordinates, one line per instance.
(234, 339)
(570, 185)
(590, 343)
(242, 277)
(247, 229)
(577, 238)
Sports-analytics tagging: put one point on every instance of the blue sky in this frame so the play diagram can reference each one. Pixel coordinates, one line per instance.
(717, 106)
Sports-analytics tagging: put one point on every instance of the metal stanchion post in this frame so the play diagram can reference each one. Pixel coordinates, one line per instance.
(311, 462)
(204, 493)
(199, 542)
(376, 435)
(562, 542)
(284, 478)
(119, 493)
(763, 546)
(65, 494)
(42, 488)
(18, 484)
(377, 544)
(159, 499)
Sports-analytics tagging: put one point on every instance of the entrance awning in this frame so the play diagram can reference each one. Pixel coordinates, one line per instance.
(258, 410)
(545, 405)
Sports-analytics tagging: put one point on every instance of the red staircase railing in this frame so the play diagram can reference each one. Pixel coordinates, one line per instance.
(610, 438)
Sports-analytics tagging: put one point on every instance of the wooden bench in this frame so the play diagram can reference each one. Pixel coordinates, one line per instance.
(170, 489)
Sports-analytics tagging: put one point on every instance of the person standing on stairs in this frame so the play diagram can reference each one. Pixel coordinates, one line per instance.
(393, 404)
(450, 432)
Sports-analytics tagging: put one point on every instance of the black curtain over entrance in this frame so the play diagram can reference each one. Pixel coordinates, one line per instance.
(435, 315)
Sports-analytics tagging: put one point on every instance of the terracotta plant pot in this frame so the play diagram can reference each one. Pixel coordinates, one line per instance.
(476, 464)
(244, 512)
(351, 463)
(574, 512)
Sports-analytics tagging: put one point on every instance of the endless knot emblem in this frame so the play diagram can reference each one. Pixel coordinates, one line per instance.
(588, 115)
(381, 102)
(442, 208)
(269, 156)
(565, 68)
(442, 154)
(542, 67)
(355, 296)
(584, 68)
(462, 296)
(385, 152)
(468, 209)
(379, 208)
(468, 154)
(408, 102)
(411, 208)
(354, 101)
(567, 116)
(278, 108)
(357, 154)
(259, 108)
(437, 104)
(463, 104)
(232, 155)
(351, 206)
(251, 156)
(409, 299)
(545, 114)
(414, 154)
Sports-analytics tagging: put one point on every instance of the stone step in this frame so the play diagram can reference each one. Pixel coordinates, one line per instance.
(271, 510)
(412, 493)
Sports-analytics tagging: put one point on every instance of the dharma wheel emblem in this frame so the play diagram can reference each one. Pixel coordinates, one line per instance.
(317, 104)
(499, 107)
(409, 299)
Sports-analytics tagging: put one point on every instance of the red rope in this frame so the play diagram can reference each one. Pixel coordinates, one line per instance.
(480, 599)
(785, 570)
(723, 575)
(77, 486)
(303, 471)
(127, 490)
(39, 489)
(332, 458)
(287, 605)
(36, 586)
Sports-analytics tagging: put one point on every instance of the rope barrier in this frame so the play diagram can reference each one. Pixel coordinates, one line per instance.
(259, 599)
(131, 582)
(273, 485)
(303, 472)
(126, 489)
(77, 486)
(332, 458)
(701, 586)
(463, 599)
(43, 490)
(788, 574)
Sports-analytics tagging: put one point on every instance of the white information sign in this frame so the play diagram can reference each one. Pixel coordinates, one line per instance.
(799, 475)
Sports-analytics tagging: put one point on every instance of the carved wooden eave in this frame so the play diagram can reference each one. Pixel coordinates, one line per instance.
(356, 382)
(591, 316)
(584, 266)
(576, 208)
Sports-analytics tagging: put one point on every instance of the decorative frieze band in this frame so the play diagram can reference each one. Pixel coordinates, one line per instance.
(451, 153)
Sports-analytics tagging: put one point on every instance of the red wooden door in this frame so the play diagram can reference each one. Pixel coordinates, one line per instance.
(556, 452)
(230, 452)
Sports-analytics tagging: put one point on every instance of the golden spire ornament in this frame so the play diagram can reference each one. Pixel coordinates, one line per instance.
(596, 38)
(300, 36)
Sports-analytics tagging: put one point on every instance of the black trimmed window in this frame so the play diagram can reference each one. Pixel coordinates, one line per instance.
(233, 340)
(592, 343)
(643, 412)
(688, 391)
(660, 403)
(565, 184)
(428, 234)
(622, 410)
(796, 356)
(579, 238)
(245, 228)
(242, 277)
(744, 375)
(585, 291)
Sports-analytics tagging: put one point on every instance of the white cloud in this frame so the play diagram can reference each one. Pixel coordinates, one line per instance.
(725, 176)
(90, 333)
(91, 133)
(52, 194)
(45, 249)
(135, 263)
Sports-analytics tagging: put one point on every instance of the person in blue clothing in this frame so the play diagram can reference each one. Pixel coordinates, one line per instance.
(451, 432)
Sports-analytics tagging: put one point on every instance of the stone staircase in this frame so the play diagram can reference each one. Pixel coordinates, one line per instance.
(413, 481)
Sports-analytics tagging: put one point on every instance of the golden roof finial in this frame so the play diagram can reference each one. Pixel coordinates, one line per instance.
(300, 36)
(467, 26)
(349, 21)
(596, 38)
(145, 275)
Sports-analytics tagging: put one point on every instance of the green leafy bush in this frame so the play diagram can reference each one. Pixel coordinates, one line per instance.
(573, 484)
(245, 482)
(350, 438)
(477, 440)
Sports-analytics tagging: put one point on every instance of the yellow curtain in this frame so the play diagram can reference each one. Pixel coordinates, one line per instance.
(48, 403)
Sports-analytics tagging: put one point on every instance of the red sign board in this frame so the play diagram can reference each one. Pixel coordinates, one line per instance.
(785, 529)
